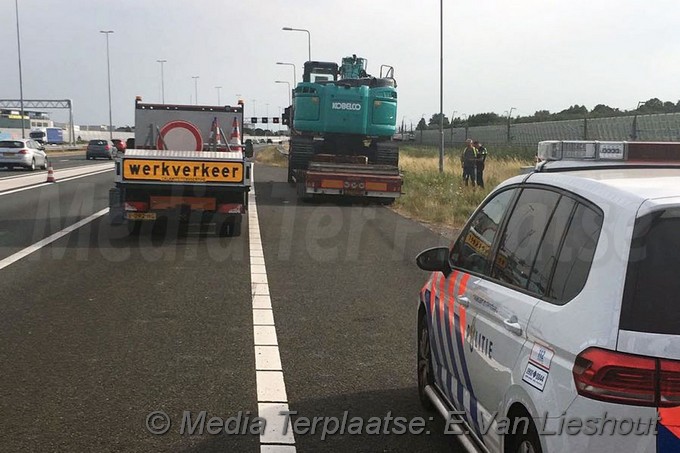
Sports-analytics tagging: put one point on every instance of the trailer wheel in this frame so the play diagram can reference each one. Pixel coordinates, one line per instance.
(134, 227)
(229, 227)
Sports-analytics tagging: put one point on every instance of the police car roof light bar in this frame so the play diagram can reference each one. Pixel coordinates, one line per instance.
(593, 150)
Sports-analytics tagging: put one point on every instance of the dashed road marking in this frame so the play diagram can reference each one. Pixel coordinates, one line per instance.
(271, 387)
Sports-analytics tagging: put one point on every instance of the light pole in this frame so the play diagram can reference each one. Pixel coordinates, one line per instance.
(294, 70)
(509, 116)
(195, 88)
(218, 95)
(309, 39)
(108, 67)
(441, 86)
(287, 83)
(162, 81)
(634, 135)
(466, 124)
(21, 83)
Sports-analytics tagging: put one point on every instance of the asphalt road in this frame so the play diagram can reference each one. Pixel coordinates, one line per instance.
(99, 329)
(59, 161)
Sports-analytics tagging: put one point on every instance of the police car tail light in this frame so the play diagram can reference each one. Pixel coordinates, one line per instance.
(615, 377)
(670, 383)
(622, 378)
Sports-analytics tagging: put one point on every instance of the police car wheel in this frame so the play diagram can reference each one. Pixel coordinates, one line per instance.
(524, 442)
(425, 370)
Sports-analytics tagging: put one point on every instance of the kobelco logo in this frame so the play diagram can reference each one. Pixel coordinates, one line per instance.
(345, 106)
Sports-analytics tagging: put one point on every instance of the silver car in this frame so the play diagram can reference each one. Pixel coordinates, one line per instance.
(100, 148)
(22, 152)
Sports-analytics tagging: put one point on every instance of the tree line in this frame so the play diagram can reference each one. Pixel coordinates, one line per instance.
(651, 106)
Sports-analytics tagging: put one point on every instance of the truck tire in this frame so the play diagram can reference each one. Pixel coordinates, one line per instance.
(387, 154)
(229, 227)
(300, 153)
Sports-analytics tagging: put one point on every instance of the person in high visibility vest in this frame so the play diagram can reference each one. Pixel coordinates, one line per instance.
(467, 160)
(479, 163)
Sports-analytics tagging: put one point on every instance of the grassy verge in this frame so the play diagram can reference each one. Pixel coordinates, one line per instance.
(271, 156)
(442, 198)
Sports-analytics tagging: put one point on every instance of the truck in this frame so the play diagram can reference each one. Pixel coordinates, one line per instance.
(183, 168)
(47, 135)
(342, 121)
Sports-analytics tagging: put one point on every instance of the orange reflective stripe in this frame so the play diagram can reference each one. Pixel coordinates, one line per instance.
(452, 299)
(462, 313)
(670, 418)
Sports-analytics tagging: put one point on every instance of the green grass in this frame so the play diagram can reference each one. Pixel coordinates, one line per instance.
(271, 156)
(442, 198)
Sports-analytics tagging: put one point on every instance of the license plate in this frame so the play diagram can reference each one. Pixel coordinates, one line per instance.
(140, 215)
(354, 192)
(9, 154)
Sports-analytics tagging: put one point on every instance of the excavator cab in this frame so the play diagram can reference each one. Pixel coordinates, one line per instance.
(320, 71)
(353, 68)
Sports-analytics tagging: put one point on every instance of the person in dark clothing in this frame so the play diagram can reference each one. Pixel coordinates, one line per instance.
(468, 160)
(479, 163)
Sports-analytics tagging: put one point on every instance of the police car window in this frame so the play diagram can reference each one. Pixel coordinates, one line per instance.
(576, 255)
(650, 302)
(550, 246)
(471, 251)
(523, 235)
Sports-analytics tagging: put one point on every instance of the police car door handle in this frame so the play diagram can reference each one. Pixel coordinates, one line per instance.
(513, 325)
(463, 300)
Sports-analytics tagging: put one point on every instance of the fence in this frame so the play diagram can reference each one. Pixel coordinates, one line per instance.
(657, 127)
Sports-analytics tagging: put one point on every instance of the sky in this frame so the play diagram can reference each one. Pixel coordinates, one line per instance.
(498, 54)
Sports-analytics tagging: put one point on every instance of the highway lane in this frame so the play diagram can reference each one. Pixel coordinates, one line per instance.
(98, 329)
(31, 215)
(59, 161)
(344, 287)
(102, 329)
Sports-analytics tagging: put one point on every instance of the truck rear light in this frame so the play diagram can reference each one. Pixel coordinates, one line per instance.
(622, 378)
(136, 206)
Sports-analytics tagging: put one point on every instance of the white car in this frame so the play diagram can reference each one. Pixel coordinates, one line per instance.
(22, 152)
(552, 324)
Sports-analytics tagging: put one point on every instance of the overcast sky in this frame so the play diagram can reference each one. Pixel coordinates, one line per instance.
(528, 54)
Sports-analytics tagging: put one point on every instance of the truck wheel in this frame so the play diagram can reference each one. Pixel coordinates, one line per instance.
(230, 227)
(134, 227)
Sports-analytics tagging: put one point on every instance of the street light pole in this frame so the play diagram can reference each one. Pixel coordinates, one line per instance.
(441, 86)
(294, 70)
(218, 95)
(309, 39)
(195, 89)
(287, 83)
(21, 82)
(162, 81)
(108, 68)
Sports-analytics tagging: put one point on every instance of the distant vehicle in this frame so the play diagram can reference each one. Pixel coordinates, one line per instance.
(48, 135)
(269, 140)
(130, 143)
(24, 152)
(55, 135)
(120, 145)
(100, 148)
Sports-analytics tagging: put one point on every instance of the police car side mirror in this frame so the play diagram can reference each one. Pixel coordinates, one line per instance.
(434, 259)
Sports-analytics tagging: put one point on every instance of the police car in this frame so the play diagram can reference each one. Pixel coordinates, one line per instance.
(552, 324)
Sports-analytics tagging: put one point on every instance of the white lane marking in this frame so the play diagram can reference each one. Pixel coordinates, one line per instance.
(48, 240)
(274, 433)
(271, 387)
(71, 178)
